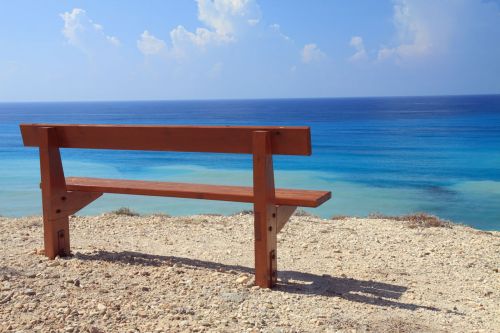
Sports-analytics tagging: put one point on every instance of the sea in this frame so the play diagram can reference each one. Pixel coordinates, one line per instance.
(390, 155)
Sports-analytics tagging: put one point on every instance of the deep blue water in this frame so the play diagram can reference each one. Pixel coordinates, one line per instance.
(390, 155)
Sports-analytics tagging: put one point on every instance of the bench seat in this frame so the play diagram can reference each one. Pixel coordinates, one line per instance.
(286, 197)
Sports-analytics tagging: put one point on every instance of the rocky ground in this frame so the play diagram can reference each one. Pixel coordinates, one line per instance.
(194, 274)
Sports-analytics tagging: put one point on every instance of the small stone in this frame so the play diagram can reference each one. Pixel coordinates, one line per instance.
(243, 279)
(145, 289)
(53, 263)
(107, 275)
(234, 297)
(94, 329)
(76, 283)
(101, 307)
(7, 298)
(30, 292)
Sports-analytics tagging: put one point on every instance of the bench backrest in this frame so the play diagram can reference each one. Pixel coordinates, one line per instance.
(289, 140)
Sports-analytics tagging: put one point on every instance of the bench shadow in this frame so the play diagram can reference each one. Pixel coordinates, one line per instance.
(362, 291)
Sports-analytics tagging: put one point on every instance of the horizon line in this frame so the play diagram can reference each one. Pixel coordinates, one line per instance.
(245, 99)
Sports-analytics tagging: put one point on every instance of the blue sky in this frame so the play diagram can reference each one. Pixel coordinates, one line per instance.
(182, 49)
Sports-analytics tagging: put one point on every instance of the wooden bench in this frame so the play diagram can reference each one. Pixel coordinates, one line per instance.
(62, 197)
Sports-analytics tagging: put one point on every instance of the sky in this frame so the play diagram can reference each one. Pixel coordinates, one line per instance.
(55, 50)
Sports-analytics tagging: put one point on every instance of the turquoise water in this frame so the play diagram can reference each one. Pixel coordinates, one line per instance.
(389, 155)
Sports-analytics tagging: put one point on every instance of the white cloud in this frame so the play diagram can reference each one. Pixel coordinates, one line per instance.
(81, 31)
(113, 40)
(200, 38)
(253, 22)
(72, 24)
(150, 45)
(359, 46)
(224, 20)
(414, 30)
(311, 53)
(277, 29)
(226, 16)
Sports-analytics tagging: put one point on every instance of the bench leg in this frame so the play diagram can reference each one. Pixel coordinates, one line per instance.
(55, 220)
(58, 204)
(265, 249)
(264, 212)
(56, 237)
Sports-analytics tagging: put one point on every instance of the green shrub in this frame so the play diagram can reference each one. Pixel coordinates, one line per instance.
(339, 217)
(125, 211)
(416, 220)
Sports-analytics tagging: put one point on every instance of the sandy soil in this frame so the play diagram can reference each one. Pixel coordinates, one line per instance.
(194, 274)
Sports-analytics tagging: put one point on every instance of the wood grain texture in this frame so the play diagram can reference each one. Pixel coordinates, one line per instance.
(73, 201)
(216, 139)
(288, 197)
(62, 196)
(55, 224)
(283, 214)
(265, 225)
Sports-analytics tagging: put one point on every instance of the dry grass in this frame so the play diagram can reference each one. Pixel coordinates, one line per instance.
(301, 212)
(298, 212)
(416, 220)
(125, 211)
(160, 214)
(339, 217)
(244, 212)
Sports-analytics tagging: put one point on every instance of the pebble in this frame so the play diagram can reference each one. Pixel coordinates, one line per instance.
(243, 279)
(235, 297)
(175, 274)
(94, 329)
(54, 263)
(30, 292)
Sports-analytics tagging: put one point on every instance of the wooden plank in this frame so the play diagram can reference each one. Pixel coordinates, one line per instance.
(264, 211)
(216, 139)
(286, 197)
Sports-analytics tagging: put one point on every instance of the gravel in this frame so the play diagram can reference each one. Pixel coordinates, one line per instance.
(195, 274)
